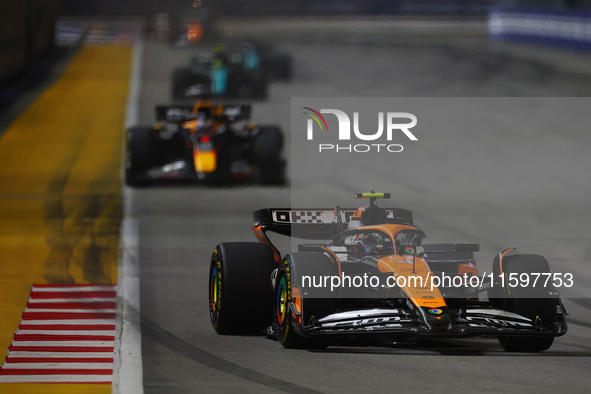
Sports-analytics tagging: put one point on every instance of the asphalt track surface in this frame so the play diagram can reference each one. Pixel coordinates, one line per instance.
(179, 225)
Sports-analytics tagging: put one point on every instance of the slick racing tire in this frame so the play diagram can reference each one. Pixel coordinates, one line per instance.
(282, 68)
(526, 344)
(260, 89)
(269, 149)
(139, 156)
(293, 309)
(533, 302)
(240, 291)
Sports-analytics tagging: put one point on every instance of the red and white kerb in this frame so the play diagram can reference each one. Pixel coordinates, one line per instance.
(66, 335)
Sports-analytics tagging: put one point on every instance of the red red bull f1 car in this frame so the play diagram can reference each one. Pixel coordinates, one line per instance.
(205, 142)
(375, 280)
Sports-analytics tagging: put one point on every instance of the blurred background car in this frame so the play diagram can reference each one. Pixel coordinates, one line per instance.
(206, 142)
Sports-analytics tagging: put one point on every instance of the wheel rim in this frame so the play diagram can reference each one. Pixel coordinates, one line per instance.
(281, 301)
(214, 289)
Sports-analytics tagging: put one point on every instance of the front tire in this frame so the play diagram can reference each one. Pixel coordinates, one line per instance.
(284, 320)
(293, 309)
(533, 302)
(526, 344)
(240, 292)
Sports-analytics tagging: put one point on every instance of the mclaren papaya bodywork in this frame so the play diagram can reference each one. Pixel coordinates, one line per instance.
(374, 279)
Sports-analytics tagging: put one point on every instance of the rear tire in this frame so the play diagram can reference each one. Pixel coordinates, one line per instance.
(260, 89)
(283, 68)
(269, 146)
(240, 292)
(139, 155)
(532, 302)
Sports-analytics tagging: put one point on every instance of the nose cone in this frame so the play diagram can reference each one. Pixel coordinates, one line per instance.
(205, 161)
(435, 319)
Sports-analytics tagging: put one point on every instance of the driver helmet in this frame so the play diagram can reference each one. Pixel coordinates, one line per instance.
(204, 126)
(374, 245)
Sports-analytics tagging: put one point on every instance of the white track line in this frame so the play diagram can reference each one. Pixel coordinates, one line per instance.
(128, 368)
(56, 378)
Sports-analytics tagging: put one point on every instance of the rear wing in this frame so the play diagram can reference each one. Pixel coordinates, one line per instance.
(319, 223)
(183, 113)
(174, 113)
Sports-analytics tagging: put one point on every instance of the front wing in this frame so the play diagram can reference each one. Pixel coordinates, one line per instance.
(237, 170)
(463, 322)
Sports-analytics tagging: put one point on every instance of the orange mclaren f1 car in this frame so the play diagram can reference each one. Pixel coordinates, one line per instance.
(375, 281)
(204, 142)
